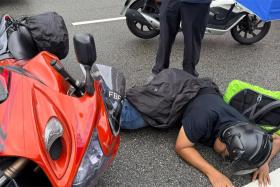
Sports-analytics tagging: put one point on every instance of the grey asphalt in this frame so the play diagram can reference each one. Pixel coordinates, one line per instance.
(146, 157)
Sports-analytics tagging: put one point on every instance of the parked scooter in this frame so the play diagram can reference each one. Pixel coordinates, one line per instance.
(142, 17)
(54, 129)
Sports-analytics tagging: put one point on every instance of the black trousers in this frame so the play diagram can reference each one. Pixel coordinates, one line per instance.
(194, 18)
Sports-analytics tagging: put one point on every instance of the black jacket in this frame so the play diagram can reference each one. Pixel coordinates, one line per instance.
(162, 101)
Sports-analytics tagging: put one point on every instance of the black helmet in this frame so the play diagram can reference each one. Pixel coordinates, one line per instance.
(248, 145)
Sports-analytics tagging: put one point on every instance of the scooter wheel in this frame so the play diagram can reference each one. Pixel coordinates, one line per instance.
(138, 29)
(250, 30)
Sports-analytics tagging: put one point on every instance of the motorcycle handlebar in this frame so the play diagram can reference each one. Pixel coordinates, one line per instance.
(60, 69)
(89, 81)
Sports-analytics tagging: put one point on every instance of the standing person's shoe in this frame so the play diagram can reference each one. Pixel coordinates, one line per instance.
(192, 72)
(195, 73)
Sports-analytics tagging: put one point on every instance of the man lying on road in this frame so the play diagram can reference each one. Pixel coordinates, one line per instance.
(174, 95)
(210, 121)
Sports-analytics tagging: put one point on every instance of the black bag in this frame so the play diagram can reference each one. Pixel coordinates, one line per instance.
(49, 33)
(257, 107)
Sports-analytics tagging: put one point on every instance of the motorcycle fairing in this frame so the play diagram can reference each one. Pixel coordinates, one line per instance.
(12, 106)
(4, 84)
(22, 71)
(30, 104)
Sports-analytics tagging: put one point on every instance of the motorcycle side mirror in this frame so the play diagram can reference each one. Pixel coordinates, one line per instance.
(85, 49)
(86, 55)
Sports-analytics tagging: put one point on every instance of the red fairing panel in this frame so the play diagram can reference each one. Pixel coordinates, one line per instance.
(24, 115)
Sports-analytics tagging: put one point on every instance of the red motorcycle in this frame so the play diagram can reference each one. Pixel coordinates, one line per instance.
(55, 130)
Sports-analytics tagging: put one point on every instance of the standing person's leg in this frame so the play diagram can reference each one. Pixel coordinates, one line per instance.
(169, 26)
(194, 21)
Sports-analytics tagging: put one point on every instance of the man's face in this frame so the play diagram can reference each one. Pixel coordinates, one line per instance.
(221, 148)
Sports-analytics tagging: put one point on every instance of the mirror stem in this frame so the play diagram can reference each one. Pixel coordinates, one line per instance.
(89, 81)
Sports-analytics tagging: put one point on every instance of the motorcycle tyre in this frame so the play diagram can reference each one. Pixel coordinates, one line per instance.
(253, 40)
(134, 29)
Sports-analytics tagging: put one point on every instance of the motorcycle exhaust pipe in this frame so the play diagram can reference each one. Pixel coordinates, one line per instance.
(12, 171)
(142, 18)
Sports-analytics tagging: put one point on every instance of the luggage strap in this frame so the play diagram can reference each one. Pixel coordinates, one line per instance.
(264, 110)
(252, 109)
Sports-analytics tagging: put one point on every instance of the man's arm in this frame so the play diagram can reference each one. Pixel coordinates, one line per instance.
(275, 147)
(185, 148)
(263, 172)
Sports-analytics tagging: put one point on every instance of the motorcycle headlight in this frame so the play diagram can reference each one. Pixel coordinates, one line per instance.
(93, 164)
(53, 133)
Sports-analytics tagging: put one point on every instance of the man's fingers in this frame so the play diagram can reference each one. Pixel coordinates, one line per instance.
(265, 182)
(255, 176)
(229, 185)
(260, 183)
(217, 185)
(268, 179)
(260, 180)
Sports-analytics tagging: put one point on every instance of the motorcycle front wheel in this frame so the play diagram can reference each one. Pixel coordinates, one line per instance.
(250, 30)
(138, 29)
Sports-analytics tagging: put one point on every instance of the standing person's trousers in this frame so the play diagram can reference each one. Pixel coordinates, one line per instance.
(194, 18)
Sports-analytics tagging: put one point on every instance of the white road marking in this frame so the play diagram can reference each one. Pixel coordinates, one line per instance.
(98, 21)
(274, 177)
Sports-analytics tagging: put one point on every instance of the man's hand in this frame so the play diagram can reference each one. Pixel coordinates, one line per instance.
(219, 180)
(185, 148)
(263, 175)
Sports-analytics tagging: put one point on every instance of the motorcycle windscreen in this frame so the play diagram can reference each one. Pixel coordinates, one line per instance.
(114, 80)
(267, 10)
(3, 88)
(113, 84)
